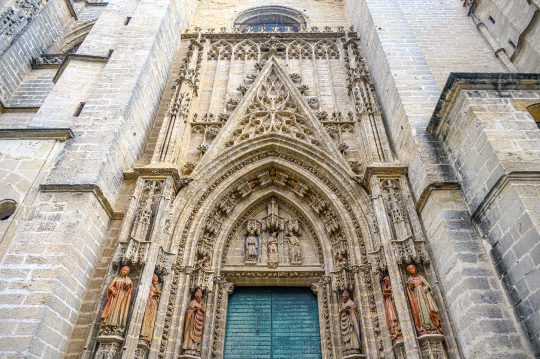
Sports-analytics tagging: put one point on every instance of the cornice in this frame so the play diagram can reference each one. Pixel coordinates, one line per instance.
(85, 188)
(458, 81)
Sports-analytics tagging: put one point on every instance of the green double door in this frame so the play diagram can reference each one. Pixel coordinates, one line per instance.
(272, 323)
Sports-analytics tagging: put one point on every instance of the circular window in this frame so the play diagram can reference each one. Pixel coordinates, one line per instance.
(270, 18)
(7, 208)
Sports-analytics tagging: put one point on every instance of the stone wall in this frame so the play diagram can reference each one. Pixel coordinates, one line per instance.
(494, 145)
(20, 165)
(47, 265)
(41, 32)
(515, 27)
(223, 12)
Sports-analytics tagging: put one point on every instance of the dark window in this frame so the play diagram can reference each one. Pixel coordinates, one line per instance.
(492, 20)
(7, 208)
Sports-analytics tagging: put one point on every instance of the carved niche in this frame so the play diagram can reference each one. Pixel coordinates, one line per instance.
(273, 236)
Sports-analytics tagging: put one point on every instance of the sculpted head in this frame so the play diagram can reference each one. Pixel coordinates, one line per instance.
(155, 280)
(198, 295)
(412, 269)
(345, 296)
(386, 281)
(124, 271)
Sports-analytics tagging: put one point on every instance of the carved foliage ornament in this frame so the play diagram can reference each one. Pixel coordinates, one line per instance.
(273, 109)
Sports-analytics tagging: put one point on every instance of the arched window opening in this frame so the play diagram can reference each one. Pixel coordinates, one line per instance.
(271, 18)
(7, 208)
(534, 110)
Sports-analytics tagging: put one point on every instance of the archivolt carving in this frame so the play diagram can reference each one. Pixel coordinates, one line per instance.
(299, 188)
(287, 181)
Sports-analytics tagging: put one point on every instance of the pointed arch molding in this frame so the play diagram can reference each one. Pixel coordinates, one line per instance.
(330, 182)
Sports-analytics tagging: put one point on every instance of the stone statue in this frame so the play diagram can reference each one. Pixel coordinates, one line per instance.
(273, 256)
(392, 321)
(150, 312)
(114, 316)
(294, 249)
(424, 309)
(350, 326)
(341, 262)
(194, 327)
(251, 247)
(203, 263)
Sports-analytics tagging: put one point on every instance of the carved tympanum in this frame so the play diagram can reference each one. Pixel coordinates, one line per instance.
(194, 326)
(425, 311)
(114, 315)
(150, 312)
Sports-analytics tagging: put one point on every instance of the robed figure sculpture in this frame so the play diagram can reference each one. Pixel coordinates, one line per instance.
(424, 309)
(194, 327)
(251, 247)
(150, 312)
(114, 315)
(350, 326)
(392, 321)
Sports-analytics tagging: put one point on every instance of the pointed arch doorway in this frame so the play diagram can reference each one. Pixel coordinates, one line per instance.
(272, 323)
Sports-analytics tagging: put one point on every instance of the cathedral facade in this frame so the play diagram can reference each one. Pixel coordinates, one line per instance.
(269, 179)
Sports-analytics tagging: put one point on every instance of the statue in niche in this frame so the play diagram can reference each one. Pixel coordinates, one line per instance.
(392, 321)
(194, 326)
(424, 309)
(294, 250)
(350, 325)
(114, 315)
(341, 262)
(150, 312)
(273, 256)
(251, 247)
